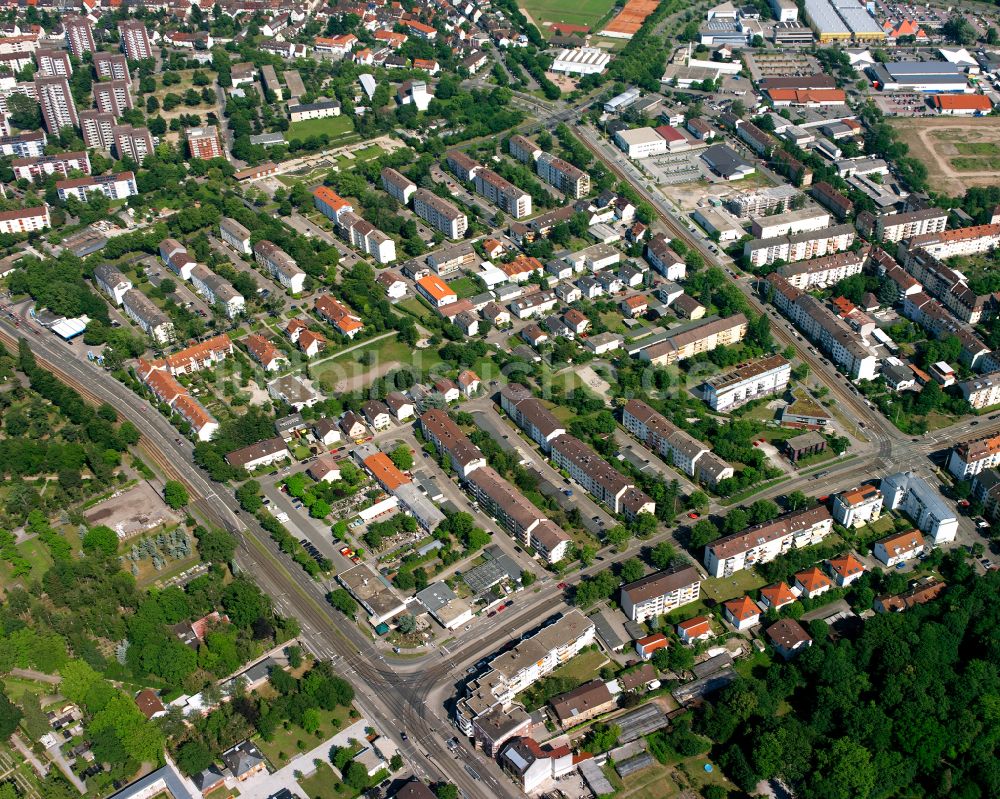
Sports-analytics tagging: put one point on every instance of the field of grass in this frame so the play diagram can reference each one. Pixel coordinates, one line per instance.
(723, 588)
(320, 785)
(573, 12)
(977, 164)
(285, 743)
(334, 127)
(583, 667)
(464, 287)
(415, 308)
(977, 148)
(359, 156)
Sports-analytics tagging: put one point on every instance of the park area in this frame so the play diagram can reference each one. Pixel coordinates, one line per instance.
(577, 15)
(340, 129)
(958, 153)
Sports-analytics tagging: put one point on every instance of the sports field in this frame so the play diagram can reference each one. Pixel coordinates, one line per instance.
(958, 153)
(572, 12)
(337, 128)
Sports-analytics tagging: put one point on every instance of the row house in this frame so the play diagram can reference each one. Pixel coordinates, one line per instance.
(335, 312)
(199, 356)
(165, 387)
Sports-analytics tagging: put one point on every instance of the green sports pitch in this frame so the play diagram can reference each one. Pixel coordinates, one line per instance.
(572, 12)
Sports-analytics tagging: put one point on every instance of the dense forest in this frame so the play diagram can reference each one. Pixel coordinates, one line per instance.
(910, 708)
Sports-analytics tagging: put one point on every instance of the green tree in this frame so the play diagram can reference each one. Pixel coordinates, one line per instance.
(193, 757)
(100, 539)
(445, 790)
(631, 570)
(174, 494)
(10, 717)
(356, 776)
(402, 457)
(343, 602)
(662, 555)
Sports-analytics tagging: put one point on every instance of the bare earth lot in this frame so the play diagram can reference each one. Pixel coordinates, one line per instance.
(958, 153)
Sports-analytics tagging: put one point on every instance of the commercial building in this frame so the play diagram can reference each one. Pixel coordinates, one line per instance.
(56, 101)
(857, 507)
(762, 377)
(515, 670)
(911, 494)
(970, 458)
(235, 235)
(204, 142)
(502, 193)
(445, 606)
(439, 213)
(962, 104)
(530, 764)
(563, 175)
(675, 446)
(719, 224)
(581, 61)
(764, 542)
(280, 265)
(726, 163)
(599, 478)
(640, 142)
(373, 592)
(135, 40)
(920, 76)
(661, 593)
(799, 247)
(114, 187)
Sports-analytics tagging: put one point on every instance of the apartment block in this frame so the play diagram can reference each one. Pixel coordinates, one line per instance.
(152, 320)
(217, 291)
(79, 35)
(896, 227)
(464, 167)
(502, 193)
(53, 63)
(563, 175)
(663, 258)
(949, 286)
(523, 149)
(450, 440)
(857, 507)
(97, 129)
(111, 66)
(24, 220)
(26, 145)
(772, 200)
(898, 547)
(675, 446)
(204, 142)
(974, 240)
(805, 220)
(982, 392)
(135, 40)
(762, 543)
(799, 247)
(599, 478)
(161, 383)
(56, 101)
(969, 458)
(114, 187)
(695, 338)
(440, 214)
(112, 282)
(398, 186)
(528, 413)
(660, 593)
(914, 496)
(62, 164)
(762, 377)
(518, 668)
(824, 271)
(112, 97)
(519, 516)
(330, 204)
(235, 235)
(280, 265)
(363, 235)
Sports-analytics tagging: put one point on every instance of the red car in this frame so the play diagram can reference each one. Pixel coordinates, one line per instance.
(693, 515)
(562, 586)
(501, 609)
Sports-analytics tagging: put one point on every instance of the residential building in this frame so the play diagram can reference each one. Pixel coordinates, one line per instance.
(502, 193)
(969, 458)
(923, 591)
(42, 166)
(812, 582)
(217, 291)
(804, 220)
(799, 247)
(112, 281)
(519, 667)
(788, 638)
(235, 235)
(134, 39)
(763, 542)
(143, 312)
(660, 593)
(563, 175)
(824, 271)
(582, 704)
(599, 478)
(398, 186)
(439, 213)
(298, 112)
(280, 265)
(762, 377)
(114, 187)
(846, 570)
(465, 457)
(986, 490)
(53, 62)
(523, 149)
(111, 66)
(393, 283)
(98, 131)
(339, 315)
(56, 101)
(112, 97)
(363, 235)
(531, 415)
(697, 629)
(157, 377)
(857, 507)
(200, 356)
(464, 167)
(898, 547)
(531, 765)
(762, 202)
(265, 353)
(129, 142)
(983, 391)
(663, 258)
(645, 647)
(742, 613)
(204, 142)
(294, 391)
(914, 496)
(79, 35)
(776, 596)
(905, 225)
(694, 338)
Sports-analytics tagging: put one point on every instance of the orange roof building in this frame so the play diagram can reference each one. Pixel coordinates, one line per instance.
(200, 356)
(742, 613)
(696, 629)
(436, 290)
(967, 104)
(776, 596)
(846, 570)
(329, 203)
(385, 472)
(648, 645)
(807, 96)
(812, 582)
(339, 315)
(264, 352)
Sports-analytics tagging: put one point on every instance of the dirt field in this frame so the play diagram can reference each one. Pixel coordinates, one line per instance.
(959, 153)
(135, 511)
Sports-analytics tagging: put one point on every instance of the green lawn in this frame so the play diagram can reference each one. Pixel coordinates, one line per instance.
(575, 12)
(582, 667)
(415, 308)
(464, 287)
(359, 156)
(321, 785)
(376, 355)
(286, 741)
(37, 555)
(334, 127)
(722, 588)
